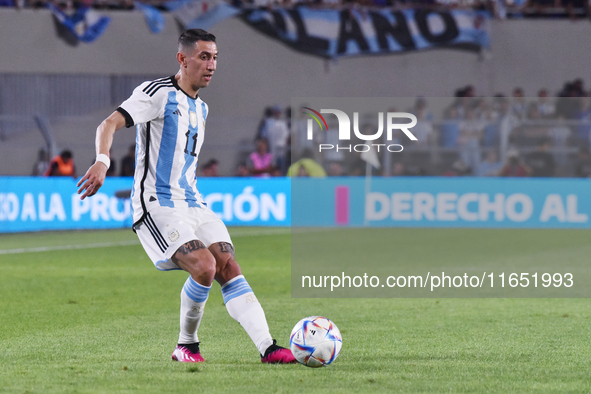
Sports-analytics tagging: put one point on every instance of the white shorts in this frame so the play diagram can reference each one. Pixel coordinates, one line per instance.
(165, 229)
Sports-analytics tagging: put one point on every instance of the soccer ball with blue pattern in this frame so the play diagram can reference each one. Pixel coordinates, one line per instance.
(315, 341)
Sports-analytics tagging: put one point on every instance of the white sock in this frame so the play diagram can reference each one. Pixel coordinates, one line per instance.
(193, 298)
(244, 307)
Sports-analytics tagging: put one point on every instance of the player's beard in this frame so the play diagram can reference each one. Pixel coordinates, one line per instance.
(198, 86)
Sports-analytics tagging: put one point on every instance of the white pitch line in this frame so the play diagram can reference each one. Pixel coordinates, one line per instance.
(270, 231)
(235, 234)
(67, 247)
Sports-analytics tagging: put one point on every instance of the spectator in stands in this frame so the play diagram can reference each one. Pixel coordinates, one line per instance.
(398, 169)
(485, 110)
(546, 108)
(532, 131)
(306, 166)
(128, 162)
(62, 165)
(355, 164)
(471, 131)
(277, 135)
(211, 168)
(518, 104)
(450, 128)
(262, 128)
(260, 162)
(583, 163)
(541, 162)
(469, 91)
(559, 132)
(42, 163)
(464, 100)
(490, 166)
(424, 127)
(533, 112)
(579, 87)
(507, 122)
(583, 115)
(498, 102)
(335, 169)
(242, 170)
(301, 171)
(466, 91)
(566, 104)
(489, 115)
(514, 167)
(458, 168)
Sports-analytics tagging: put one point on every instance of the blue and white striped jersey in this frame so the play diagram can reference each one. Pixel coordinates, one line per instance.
(170, 130)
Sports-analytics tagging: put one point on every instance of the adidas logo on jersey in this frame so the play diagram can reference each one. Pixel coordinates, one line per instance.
(177, 112)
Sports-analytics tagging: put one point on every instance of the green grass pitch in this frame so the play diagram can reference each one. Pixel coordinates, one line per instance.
(87, 312)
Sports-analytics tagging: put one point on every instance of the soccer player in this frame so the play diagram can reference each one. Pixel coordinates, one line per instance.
(171, 220)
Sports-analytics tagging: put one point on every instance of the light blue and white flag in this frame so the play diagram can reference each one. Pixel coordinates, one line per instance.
(153, 16)
(333, 33)
(85, 24)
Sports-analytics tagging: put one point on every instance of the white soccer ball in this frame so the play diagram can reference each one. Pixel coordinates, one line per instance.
(315, 341)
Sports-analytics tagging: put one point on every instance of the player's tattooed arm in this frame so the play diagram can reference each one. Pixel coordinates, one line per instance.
(226, 247)
(191, 246)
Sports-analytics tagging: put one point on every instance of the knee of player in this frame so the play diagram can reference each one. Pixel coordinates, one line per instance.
(207, 264)
(199, 264)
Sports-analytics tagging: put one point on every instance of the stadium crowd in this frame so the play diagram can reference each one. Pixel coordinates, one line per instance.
(465, 135)
(504, 135)
(501, 9)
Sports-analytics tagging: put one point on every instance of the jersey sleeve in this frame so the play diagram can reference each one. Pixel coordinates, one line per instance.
(141, 107)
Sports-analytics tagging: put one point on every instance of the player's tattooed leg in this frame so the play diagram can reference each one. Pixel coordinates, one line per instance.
(226, 267)
(197, 260)
(226, 247)
(191, 246)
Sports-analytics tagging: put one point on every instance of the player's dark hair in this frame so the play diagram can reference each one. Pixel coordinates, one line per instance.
(189, 37)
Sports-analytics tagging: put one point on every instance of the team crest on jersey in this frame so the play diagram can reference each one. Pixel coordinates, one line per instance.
(173, 235)
(193, 118)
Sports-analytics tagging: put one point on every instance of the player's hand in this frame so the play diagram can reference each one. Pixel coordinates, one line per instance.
(92, 181)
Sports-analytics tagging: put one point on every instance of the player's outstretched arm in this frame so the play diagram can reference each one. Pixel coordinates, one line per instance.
(94, 178)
